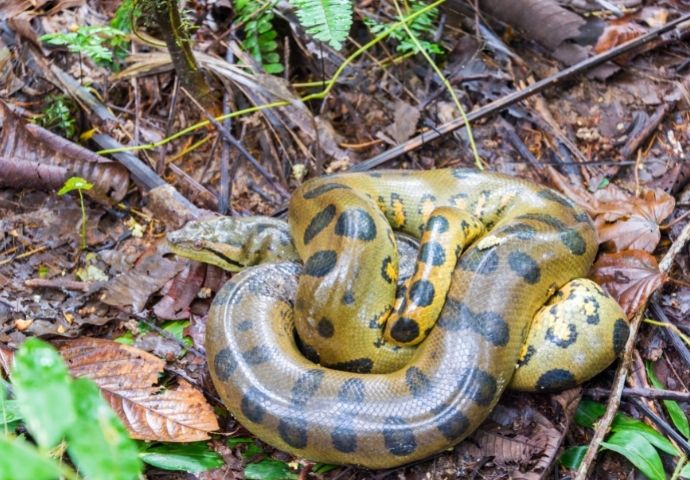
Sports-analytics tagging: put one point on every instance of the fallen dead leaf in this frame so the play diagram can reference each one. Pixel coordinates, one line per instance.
(6, 359)
(623, 221)
(128, 378)
(630, 277)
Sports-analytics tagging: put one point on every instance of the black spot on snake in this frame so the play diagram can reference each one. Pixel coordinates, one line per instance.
(398, 437)
(477, 385)
(224, 364)
(544, 218)
(325, 328)
(556, 379)
(438, 224)
(525, 266)
(405, 330)
(306, 386)
(621, 330)
(351, 391)
(343, 436)
(308, 351)
(384, 269)
(418, 383)
(527, 357)
(244, 325)
(451, 423)
(490, 325)
(483, 262)
(320, 263)
(573, 241)
(552, 196)
(253, 405)
(455, 199)
(562, 342)
(257, 355)
(293, 431)
(432, 253)
(356, 223)
(318, 223)
(594, 318)
(422, 293)
(582, 217)
(321, 189)
(358, 365)
(348, 298)
(522, 231)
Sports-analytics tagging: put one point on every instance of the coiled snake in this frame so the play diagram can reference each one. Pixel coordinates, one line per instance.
(380, 404)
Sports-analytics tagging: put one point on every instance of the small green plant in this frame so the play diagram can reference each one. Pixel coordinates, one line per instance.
(58, 116)
(259, 33)
(422, 27)
(60, 413)
(632, 438)
(96, 42)
(79, 184)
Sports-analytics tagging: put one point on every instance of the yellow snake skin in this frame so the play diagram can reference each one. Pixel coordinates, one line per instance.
(532, 241)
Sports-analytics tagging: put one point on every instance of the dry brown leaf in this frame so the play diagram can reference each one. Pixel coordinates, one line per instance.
(31, 144)
(6, 359)
(634, 223)
(623, 221)
(618, 32)
(128, 378)
(506, 450)
(630, 277)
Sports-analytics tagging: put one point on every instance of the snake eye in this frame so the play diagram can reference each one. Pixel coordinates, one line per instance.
(198, 244)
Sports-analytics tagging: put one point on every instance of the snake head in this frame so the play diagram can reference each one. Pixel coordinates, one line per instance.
(233, 243)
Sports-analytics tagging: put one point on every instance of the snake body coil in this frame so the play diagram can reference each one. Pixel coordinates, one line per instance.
(535, 242)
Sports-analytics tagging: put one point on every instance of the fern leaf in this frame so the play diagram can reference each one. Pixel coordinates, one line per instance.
(326, 20)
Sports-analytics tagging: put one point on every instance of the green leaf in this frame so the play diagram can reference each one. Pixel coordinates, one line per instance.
(189, 457)
(9, 412)
(98, 443)
(638, 451)
(21, 461)
(588, 412)
(624, 423)
(269, 469)
(678, 417)
(42, 387)
(572, 457)
(685, 471)
(326, 20)
(234, 441)
(74, 183)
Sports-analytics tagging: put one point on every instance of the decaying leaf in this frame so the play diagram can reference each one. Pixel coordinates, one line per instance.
(6, 359)
(128, 378)
(133, 288)
(30, 146)
(623, 221)
(630, 277)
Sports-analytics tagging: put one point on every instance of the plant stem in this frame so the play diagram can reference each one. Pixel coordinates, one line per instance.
(83, 219)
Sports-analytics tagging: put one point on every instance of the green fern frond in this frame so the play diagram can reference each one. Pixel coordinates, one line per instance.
(326, 20)
(259, 34)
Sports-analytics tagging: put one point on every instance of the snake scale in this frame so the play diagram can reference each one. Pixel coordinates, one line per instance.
(345, 389)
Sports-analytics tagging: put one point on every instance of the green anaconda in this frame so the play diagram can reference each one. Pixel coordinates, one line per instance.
(502, 265)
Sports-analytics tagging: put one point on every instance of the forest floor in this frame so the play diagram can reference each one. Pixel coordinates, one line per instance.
(95, 277)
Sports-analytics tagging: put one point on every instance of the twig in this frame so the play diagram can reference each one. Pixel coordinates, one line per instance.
(650, 393)
(517, 96)
(225, 190)
(62, 283)
(622, 372)
(229, 138)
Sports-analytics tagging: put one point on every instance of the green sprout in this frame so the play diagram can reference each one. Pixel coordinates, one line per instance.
(79, 184)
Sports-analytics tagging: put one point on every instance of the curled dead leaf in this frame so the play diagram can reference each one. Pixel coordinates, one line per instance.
(128, 378)
(630, 277)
